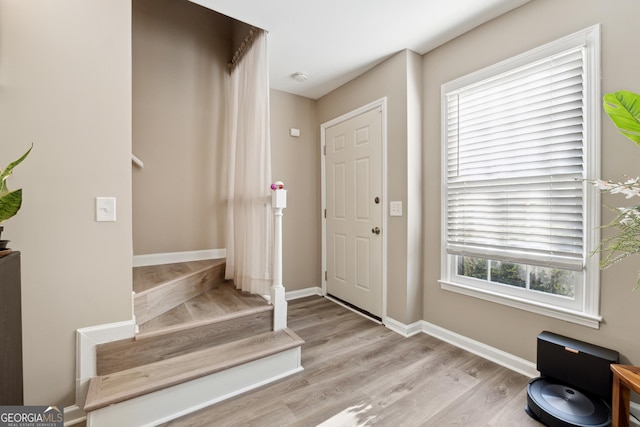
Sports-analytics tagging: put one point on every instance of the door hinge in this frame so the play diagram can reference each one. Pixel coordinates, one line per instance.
(325, 275)
(325, 214)
(324, 150)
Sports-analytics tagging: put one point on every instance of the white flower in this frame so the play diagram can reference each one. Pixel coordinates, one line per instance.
(632, 181)
(630, 188)
(601, 184)
(629, 215)
(630, 192)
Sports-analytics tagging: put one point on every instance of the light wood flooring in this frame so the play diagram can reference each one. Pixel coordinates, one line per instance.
(359, 373)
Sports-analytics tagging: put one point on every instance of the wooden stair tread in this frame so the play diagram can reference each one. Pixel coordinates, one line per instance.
(149, 277)
(204, 322)
(185, 283)
(179, 277)
(214, 303)
(163, 344)
(134, 382)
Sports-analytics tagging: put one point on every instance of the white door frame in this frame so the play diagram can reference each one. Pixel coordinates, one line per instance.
(382, 105)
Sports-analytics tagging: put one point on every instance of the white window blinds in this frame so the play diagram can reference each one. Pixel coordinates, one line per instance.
(514, 188)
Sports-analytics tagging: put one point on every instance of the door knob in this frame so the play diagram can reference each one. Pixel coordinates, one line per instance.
(375, 230)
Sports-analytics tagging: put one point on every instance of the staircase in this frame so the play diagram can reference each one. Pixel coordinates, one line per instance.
(200, 341)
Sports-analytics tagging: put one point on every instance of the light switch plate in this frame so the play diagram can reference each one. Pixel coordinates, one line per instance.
(105, 209)
(395, 208)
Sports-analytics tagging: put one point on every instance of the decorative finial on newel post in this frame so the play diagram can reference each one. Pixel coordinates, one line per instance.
(278, 300)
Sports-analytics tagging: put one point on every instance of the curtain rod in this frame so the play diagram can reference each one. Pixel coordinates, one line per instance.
(237, 56)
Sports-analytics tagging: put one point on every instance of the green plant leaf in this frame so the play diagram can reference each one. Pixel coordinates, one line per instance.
(10, 204)
(623, 108)
(6, 173)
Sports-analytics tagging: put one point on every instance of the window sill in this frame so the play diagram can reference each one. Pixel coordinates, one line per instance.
(584, 319)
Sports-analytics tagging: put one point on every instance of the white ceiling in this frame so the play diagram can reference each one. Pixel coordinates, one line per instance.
(333, 41)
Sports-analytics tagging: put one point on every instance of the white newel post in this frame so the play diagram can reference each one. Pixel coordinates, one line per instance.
(278, 203)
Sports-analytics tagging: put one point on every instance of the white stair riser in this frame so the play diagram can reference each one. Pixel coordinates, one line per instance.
(164, 405)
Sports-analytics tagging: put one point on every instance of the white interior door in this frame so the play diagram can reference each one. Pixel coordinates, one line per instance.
(353, 174)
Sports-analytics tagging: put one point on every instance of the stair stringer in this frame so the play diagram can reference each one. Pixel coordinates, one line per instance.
(173, 402)
(87, 341)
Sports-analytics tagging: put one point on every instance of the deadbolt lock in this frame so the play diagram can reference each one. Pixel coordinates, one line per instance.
(377, 200)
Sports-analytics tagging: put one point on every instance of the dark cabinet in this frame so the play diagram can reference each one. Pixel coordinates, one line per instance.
(10, 331)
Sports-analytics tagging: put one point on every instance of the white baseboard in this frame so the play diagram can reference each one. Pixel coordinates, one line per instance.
(401, 328)
(298, 293)
(493, 354)
(485, 351)
(303, 293)
(173, 257)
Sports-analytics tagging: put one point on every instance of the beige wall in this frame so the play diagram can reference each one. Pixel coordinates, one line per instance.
(532, 25)
(393, 78)
(65, 85)
(296, 162)
(180, 55)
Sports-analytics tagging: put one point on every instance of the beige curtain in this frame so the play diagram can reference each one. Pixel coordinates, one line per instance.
(249, 224)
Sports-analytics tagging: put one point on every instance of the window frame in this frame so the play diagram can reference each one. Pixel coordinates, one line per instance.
(586, 309)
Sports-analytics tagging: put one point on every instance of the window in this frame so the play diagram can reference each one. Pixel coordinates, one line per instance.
(519, 139)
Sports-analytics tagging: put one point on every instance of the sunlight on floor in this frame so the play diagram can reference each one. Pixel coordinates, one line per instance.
(352, 416)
